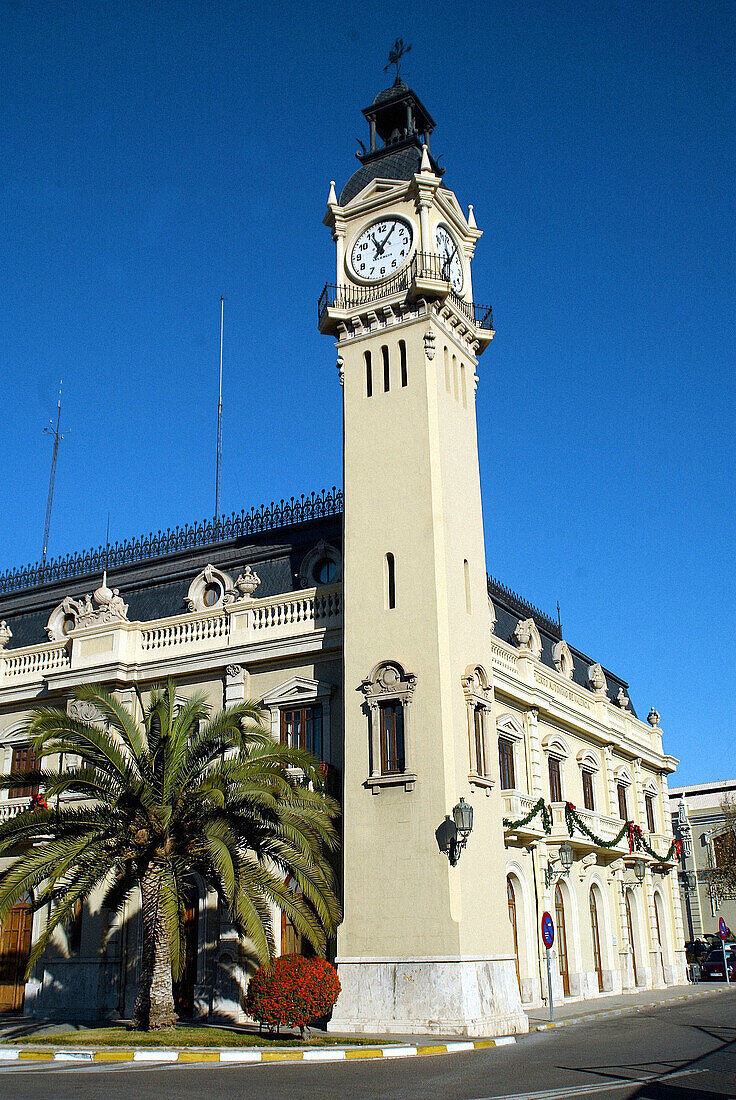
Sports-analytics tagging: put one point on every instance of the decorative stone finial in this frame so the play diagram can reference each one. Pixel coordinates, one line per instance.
(471, 217)
(653, 718)
(622, 699)
(5, 634)
(425, 165)
(332, 197)
(247, 583)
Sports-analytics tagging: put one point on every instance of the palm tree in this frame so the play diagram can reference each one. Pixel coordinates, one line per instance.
(177, 794)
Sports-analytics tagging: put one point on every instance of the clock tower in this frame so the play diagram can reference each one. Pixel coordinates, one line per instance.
(426, 943)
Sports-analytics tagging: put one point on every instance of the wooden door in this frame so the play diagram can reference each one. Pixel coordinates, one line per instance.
(15, 947)
(562, 942)
(511, 895)
(632, 941)
(184, 987)
(596, 940)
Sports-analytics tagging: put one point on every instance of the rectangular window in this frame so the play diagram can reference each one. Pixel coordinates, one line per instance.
(623, 810)
(649, 803)
(392, 738)
(302, 729)
(480, 744)
(555, 779)
(506, 764)
(588, 799)
(24, 760)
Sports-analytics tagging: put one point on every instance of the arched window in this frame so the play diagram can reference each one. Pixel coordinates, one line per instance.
(386, 369)
(455, 382)
(511, 898)
(632, 940)
(478, 700)
(463, 386)
(404, 372)
(388, 692)
(447, 370)
(368, 374)
(390, 581)
(562, 941)
(596, 937)
(466, 574)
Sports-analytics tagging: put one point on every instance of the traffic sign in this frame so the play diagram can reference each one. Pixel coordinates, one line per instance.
(722, 928)
(548, 930)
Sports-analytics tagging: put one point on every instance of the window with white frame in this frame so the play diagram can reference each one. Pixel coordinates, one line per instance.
(623, 785)
(588, 769)
(510, 736)
(388, 692)
(556, 756)
(478, 703)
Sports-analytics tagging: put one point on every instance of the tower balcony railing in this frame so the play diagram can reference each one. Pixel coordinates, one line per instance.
(425, 274)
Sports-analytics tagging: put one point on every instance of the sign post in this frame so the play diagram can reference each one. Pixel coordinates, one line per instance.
(548, 938)
(723, 932)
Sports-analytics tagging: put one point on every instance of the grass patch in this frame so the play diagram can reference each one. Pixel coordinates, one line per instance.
(206, 1037)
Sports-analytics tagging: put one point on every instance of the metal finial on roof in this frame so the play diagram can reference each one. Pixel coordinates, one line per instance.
(400, 48)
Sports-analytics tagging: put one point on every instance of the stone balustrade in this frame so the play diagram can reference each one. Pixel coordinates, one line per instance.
(241, 624)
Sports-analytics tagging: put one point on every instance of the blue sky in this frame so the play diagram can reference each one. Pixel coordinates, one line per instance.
(159, 154)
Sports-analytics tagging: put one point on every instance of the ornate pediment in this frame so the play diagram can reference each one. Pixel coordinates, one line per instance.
(298, 689)
(562, 658)
(528, 638)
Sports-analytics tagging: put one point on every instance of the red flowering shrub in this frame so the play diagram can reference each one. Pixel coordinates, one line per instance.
(293, 991)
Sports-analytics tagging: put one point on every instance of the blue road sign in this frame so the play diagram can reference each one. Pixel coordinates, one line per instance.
(722, 928)
(548, 930)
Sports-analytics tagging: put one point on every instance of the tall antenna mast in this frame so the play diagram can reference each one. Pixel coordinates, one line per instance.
(57, 437)
(219, 417)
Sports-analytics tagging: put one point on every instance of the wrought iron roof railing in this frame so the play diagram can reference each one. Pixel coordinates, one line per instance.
(224, 529)
(423, 266)
(518, 603)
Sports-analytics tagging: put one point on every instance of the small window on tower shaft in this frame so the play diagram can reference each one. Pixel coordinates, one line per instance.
(390, 582)
(402, 353)
(386, 371)
(368, 375)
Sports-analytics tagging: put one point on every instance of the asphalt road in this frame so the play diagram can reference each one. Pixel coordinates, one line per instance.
(683, 1052)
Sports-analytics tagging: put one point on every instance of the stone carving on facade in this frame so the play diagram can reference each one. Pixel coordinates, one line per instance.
(245, 585)
(597, 679)
(429, 342)
(105, 605)
(209, 588)
(388, 679)
(5, 634)
(562, 658)
(84, 711)
(528, 638)
(653, 718)
(492, 615)
(341, 369)
(622, 699)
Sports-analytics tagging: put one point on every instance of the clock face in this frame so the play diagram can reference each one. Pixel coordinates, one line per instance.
(381, 249)
(449, 254)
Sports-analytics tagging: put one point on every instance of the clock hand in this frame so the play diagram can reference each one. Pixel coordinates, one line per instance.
(384, 242)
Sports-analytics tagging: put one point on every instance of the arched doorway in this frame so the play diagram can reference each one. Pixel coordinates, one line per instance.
(511, 897)
(632, 940)
(596, 938)
(659, 922)
(15, 947)
(561, 933)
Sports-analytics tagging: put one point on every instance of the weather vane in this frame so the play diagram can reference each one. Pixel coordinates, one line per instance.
(395, 55)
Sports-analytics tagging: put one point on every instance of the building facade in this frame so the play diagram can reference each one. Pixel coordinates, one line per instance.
(365, 623)
(709, 843)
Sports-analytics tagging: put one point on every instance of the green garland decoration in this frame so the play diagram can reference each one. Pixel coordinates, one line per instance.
(632, 831)
(539, 807)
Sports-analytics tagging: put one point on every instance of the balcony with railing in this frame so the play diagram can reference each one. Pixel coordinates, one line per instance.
(425, 276)
(247, 624)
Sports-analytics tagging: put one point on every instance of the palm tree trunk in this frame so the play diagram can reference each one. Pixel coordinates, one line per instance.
(154, 1004)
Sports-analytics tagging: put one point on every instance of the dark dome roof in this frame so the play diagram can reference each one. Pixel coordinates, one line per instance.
(400, 165)
(397, 88)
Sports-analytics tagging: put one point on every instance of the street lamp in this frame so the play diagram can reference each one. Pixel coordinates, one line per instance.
(452, 835)
(640, 870)
(566, 856)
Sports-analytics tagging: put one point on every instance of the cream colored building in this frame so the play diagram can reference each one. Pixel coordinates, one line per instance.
(369, 629)
(698, 816)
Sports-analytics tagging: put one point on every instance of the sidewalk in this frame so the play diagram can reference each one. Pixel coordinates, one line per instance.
(573, 1012)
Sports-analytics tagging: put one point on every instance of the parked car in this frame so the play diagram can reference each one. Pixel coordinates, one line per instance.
(697, 951)
(712, 970)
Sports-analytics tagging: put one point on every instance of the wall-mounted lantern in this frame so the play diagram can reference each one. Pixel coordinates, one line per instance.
(452, 835)
(566, 857)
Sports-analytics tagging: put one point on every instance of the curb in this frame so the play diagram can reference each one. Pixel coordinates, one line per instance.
(235, 1055)
(625, 1010)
